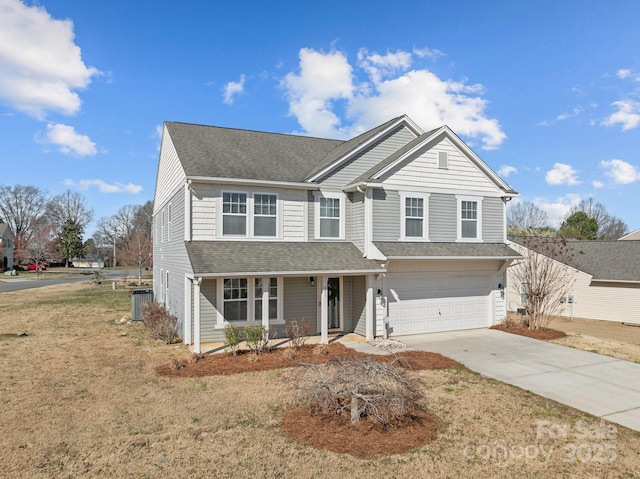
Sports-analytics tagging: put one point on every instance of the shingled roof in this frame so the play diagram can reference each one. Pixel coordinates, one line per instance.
(417, 250)
(603, 260)
(217, 258)
(213, 151)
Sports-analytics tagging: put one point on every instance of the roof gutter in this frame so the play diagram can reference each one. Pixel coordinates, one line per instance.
(251, 182)
(244, 274)
(449, 258)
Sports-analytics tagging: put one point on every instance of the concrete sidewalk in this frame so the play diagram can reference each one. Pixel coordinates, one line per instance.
(600, 385)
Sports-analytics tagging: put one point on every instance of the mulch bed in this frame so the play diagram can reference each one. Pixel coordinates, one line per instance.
(543, 334)
(361, 440)
(244, 361)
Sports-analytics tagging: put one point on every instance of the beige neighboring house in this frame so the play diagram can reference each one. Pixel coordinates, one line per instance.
(6, 247)
(606, 281)
(635, 235)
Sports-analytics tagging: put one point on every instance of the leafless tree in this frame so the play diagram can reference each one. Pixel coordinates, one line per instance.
(42, 244)
(543, 277)
(22, 208)
(609, 227)
(525, 217)
(137, 252)
(69, 206)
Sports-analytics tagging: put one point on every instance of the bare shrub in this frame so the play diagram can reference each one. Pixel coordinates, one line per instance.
(513, 321)
(289, 354)
(321, 350)
(160, 323)
(176, 365)
(297, 332)
(360, 388)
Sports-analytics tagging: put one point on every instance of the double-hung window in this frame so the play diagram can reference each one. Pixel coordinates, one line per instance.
(234, 214)
(235, 299)
(469, 218)
(330, 217)
(414, 216)
(249, 215)
(265, 215)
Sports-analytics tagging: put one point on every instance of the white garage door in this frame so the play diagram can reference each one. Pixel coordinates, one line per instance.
(427, 304)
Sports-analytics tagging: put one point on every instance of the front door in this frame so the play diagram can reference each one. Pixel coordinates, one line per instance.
(335, 320)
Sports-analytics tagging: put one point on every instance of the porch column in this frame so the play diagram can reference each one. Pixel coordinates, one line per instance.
(370, 309)
(188, 285)
(265, 302)
(196, 315)
(324, 310)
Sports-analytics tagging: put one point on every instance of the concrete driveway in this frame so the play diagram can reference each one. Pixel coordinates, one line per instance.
(600, 385)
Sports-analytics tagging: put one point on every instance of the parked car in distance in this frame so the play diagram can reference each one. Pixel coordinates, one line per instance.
(33, 267)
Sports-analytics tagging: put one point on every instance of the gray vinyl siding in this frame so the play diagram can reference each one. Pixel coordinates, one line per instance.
(347, 304)
(359, 298)
(367, 159)
(171, 256)
(443, 217)
(311, 216)
(492, 220)
(357, 220)
(300, 299)
(209, 313)
(386, 215)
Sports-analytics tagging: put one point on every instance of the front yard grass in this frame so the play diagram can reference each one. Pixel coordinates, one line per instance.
(80, 397)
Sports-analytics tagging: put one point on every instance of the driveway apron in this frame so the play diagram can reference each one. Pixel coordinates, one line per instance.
(600, 385)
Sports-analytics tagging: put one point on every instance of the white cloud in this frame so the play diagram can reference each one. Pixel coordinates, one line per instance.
(68, 141)
(506, 170)
(620, 171)
(562, 174)
(558, 208)
(623, 73)
(326, 82)
(628, 115)
(380, 66)
(597, 184)
(427, 53)
(232, 89)
(40, 65)
(105, 187)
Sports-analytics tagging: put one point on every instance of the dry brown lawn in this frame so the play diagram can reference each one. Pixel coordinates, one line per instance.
(80, 397)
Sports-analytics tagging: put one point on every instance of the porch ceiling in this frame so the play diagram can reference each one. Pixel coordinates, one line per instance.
(223, 258)
(416, 250)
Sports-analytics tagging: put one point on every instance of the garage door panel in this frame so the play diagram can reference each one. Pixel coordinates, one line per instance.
(419, 304)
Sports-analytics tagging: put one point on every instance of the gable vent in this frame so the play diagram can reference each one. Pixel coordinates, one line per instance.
(443, 159)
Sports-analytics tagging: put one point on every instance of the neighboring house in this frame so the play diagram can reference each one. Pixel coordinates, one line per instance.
(635, 235)
(89, 261)
(606, 280)
(6, 247)
(260, 228)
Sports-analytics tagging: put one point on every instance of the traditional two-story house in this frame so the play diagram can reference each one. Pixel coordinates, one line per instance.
(6, 247)
(395, 228)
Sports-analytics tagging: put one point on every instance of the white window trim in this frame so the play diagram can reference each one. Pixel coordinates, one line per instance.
(249, 216)
(316, 224)
(425, 216)
(221, 323)
(477, 199)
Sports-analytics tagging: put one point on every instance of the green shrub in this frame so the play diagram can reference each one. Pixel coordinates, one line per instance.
(232, 338)
(256, 338)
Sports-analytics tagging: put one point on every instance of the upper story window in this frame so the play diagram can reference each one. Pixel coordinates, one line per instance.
(234, 214)
(330, 212)
(249, 215)
(414, 216)
(469, 218)
(265, 215)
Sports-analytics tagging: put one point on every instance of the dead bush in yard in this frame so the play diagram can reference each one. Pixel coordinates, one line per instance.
(359, 389)
(513, 321)
(297, 332)
(160, 323)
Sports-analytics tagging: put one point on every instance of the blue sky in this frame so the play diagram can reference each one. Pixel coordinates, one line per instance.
(547, 93)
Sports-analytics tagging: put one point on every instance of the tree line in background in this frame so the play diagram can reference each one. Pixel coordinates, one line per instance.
(588, 220)
(51, 228)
